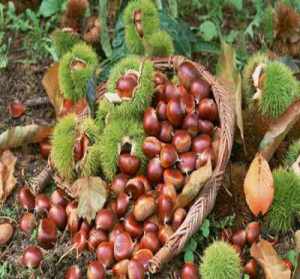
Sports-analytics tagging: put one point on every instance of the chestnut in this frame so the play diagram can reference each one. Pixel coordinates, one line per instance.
(150, 241)
(200, 89)
(122, 204)
(187, 162)
(116, 230)
(208, 109)
(189, 271)
(135, 270)
(120, 269)
(165, 232)
(47, 233)
(95, 238)
(188, 103)
(161, 110)
(57, 197)
(165, 208)
(151, 147)
(32, 257)
(182, 141)
(45, 149)
(151, 123)
(135, 188)
(200, 143)
(150, 226)
(191, 124)
(26, 198)
(178, 218)
(205, 126)
(168, 156)
(119, 183)
(79, 240)
(166, 131)
(187, 73)
(123, 246)
(203, 157)
(168, 190)
(250, 268)
(144, 207)
(42, 203)
(154, 170)
(73, 222)
(6, 233)
(143, 256)
(105, 253)
(174, 177)
(73, 272)
(160, 78)
(58, 214)
(105, 219)
(95, 270)
(131, 226)
(239, 238)
(129, 164)
(27, 223)
(125, 87)
(252, 232)
(175, 112)
(171, 91)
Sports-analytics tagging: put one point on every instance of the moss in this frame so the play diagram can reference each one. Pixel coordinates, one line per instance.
(111, 140)
(73, 83)
(252, 63)
(159, 44)
(220, 261)
(286, 202)
(267, 25)
(143, 94)
(64, 41)
(279, 90)
(292, 153)
(150, 23)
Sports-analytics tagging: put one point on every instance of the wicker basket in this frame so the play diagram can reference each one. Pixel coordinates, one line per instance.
(206, 199)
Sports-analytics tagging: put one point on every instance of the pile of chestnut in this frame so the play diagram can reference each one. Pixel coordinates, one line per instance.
(182, 134)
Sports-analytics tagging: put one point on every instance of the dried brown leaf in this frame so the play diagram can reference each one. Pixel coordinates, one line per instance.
(20, 135)
(7, 179)
(197, 180)
(266, 256)
(92, 197)
(259, 186)
(278, 130)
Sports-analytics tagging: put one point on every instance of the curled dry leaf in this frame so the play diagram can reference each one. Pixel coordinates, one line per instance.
(7, 179)
(20, 135)
(266, 256)
(259, 186)
(16, 109)
(92, 196)
(192, 188)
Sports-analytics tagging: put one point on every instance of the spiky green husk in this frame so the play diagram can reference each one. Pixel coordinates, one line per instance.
(92, 164)
(150, 22)
(143, 94)
(286, 202)
(159, 44)
(252, 63)
(63, 140)
(110, 142)
(292, 153)
(74, 83)
(64, 41)
(220, 261)
(279, 90)
(267, 24)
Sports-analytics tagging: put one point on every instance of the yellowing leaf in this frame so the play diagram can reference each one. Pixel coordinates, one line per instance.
(197, 180)
(92, 196)
(266, 256)
(7, 179)
(259, 186)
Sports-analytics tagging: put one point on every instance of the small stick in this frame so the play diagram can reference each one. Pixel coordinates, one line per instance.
(40, 182)
(34, 102)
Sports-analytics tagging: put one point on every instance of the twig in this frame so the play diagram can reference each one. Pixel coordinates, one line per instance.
(40, 182)
(34, 102)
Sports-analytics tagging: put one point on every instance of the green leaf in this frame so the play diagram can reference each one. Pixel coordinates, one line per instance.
(173, 8)
(208, 30)
(50, 7)
(188, 256)
(292, 256)
(205, 228)
(238, 4)
(192, 245)
(103, 17)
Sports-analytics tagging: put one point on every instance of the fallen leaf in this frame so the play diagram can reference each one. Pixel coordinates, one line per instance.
(278, 130)
(7, 179)
(92, 196)
(197, 180)
(266, 256)
(230, 77)
(259, 186)
(51, 85)
(16, 109)
(20, 135)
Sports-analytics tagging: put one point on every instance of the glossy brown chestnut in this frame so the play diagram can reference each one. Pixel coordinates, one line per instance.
(171, 92)
(205, 126)
(26, 198)
(134, 228)
(125, 87)
(144, 207)
(135, 188)
(151, 147)
(42, 203)
(58, 214)
(119, 183)
(73, 272)
(95, 270)
(105, 253)
(191, 124)
(135, 270)
(165, 208)
(27, 223)
(250, 268)
(189, 271)
(154, 170)
(57, 197)
(151, 122)
(187, 73)
(174, 177)
(161, 110)
(200, 89)
(187, 162)
(182, 141)
(123, 246)
(122, 204)
(178, 218)
(208, 109)
(166, 131)
(160, 78)
(47, 233)
(188, 103)
(165, 233)
(79, 240)
(6, 233)
(143, 256)
(200, 143)
(150, 226)
(150, 241)
(128, 164)
(105, 219)
(120, 269)
(203, 157)
(168, 190)
(32, 257)
(95, 238)
(252, 232)
(116, 230)
(168, 156)
(239, 238)
(175, 112)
